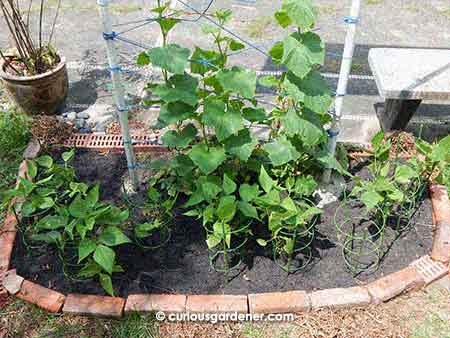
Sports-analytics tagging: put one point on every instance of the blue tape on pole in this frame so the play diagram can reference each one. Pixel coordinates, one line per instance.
(109, 36)
(351, 20)
(115, 69)
(332, 133)
(340, 94)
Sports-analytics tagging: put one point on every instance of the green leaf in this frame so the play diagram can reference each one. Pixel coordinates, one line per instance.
(249, 192)
(198, 66)
(196, 198)
(268, 81)
(289, 204)
(281, 151)
(404, 173)
(105, 257)
(327, 160)
(305, 185)
(113, 236)
(254, 114)
(167, 24)
(378, 139)
(206, 159)
(225, 119)
(68, 155)
(309, 132)
(52, 237)
(312, 91)
(146, 229)
(46, 203)
(210, 187)
(143, 59)
(267, 183)
(45, 161)
(277, 53)
(50, 222)
(261, 242)
(106, 283)
(272, 198)
(113, 216)
(212, 241)
(174, 112)
(235, 45)
(182, 165)
(238, 80)
(283, 18)
(295, 57)
(371, 199)
(180, 140)
(172, 58)
(180, 88)
(89, 270)
(289, 245)
(300, 12)
(441, 151)
(227, 208)
(228, 185)
(31, 169)
(85, 248)
(241, 145)
(92, 197)
(222, 231)
(247, 209)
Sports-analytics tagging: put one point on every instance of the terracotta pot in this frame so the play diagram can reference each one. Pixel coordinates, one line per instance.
(44, 93)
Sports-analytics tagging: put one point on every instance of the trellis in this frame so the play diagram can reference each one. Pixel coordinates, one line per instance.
(111, 36)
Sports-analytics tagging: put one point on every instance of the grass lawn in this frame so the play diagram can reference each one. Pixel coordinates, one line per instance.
(424, 314)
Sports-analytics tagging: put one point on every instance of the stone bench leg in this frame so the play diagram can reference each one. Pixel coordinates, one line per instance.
(395, 114)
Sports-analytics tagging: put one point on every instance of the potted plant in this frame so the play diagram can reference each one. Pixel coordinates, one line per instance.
(35, 74)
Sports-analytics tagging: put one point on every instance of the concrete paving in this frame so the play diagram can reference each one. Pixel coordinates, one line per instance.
(393, 23)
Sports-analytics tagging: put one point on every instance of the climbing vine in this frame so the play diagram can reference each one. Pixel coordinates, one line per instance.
(242, 186)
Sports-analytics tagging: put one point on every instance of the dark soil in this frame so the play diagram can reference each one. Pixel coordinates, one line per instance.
(183, 266)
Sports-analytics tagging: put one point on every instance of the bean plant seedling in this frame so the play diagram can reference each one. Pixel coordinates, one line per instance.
(239, 186)
(58, 210)
(390, 196)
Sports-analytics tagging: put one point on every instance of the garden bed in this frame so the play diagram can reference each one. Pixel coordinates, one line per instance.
(182, 265)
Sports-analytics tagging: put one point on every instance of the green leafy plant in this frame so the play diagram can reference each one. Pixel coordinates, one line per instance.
(232, 180)
(389, 195)
(434, 163)
(58, 210)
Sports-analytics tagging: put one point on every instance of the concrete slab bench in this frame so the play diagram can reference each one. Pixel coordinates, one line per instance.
(405, 77)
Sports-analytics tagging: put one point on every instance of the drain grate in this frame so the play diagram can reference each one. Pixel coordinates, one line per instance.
(141, 143)
(429, 269)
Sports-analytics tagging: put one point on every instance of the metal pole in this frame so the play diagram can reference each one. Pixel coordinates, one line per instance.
(344, 74)
(118, 89)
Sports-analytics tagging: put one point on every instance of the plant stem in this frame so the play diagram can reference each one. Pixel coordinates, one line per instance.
(54, 22)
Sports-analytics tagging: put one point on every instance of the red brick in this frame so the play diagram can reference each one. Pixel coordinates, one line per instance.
(441, 211)
(47, 299)
(7, 239)
(441, 203)
(337, 298)
(10, 222)
(12, 282)
(395, 284)
(94, 305)
(151, 303)
(279, 302)
(22, 170)
(217, 304)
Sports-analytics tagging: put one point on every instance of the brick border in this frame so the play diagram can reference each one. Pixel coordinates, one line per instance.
(418, 274)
